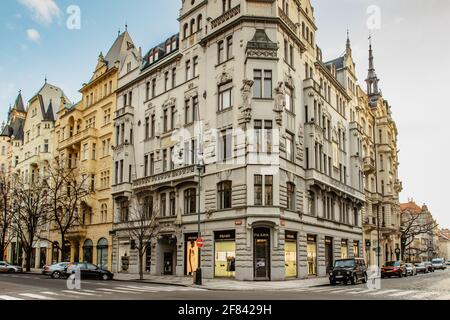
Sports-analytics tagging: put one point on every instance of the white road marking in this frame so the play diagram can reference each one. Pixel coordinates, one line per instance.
(425, 295)
(131, 289)
(35, 296)
(78, 292)
(49, 293)
(5, 297)
(377, 293)
(117, 291)
(403, 293)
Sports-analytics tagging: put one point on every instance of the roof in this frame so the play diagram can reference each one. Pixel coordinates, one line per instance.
(411, 206)
(261, 41)
(338, 62)
(161, 49)
(49, 96)
(18, 104)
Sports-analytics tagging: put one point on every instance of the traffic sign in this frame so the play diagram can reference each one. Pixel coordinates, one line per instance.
(200, 242)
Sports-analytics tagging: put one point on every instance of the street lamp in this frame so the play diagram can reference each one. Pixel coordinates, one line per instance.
(198, 273)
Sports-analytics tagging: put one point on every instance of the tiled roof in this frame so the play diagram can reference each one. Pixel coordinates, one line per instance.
(161, 49)
(411, 206)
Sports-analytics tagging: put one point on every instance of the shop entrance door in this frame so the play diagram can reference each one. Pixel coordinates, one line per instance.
(261, 253)
(328, 253)
(168, 263)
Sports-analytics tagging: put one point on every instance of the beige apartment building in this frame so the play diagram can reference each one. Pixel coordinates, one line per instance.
(83, 138)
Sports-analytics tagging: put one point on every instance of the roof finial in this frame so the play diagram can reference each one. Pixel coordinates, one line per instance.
(348, 45)
(45, 79)
(20, 91)
(126, 26)
(118, 33)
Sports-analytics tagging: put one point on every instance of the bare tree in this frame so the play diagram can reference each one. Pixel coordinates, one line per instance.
(142, 227)
(414, 225)
(6, 213)
(66, 192)
(30, 207)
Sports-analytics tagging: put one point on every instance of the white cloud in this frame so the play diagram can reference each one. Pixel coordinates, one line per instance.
(33, 35)
(44, 10)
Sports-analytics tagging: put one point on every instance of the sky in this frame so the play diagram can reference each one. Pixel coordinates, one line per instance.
(44, 38)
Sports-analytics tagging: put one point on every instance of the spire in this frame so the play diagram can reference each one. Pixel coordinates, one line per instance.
(372, 79)
(348, 46)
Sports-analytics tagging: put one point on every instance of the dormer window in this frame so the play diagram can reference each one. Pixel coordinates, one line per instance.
(226, 5)
(168, 47)
(174, 44)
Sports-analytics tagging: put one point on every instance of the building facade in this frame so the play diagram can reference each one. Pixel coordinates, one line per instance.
(425, 243)
(245, 95)
(84, 136)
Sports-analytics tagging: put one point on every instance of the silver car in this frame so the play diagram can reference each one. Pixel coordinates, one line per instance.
(439, 263)
(9, 268)
(411, 269)
(55, 270)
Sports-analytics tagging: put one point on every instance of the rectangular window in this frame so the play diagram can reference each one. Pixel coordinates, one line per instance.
(220, 53)
(165, 160)
(195, 70)
(225, 96)
(289, 100)
(195, 110)
(268, 190)
(174, 77)
(147, 127)
(152, 164)
(225, 144)
(163, 205)
(173, 116)
(268, 127)
(121, 171)
(94, 151)
(187, 112)
(153, 88)
(147, 91)
(166, 120)
(229, 47)
(153, 126)
(290, 147)
(92, 182)
(258, 190)
(166, 81)
(145, 166)
(257, 85)
(258, 135)
(188, 70)
(172, 204)
(85, 151)
(291, 196)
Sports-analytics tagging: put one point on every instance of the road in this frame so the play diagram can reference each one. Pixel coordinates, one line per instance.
(432, 286)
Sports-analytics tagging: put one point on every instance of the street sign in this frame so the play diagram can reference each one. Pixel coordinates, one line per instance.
(200, 242)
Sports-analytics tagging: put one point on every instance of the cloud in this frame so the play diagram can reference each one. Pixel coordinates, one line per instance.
(33, 35)
(44, 10)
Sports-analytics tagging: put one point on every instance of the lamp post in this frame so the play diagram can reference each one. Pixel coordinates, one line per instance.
(198, 273)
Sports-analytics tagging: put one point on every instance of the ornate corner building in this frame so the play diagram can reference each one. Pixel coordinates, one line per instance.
(282, 138)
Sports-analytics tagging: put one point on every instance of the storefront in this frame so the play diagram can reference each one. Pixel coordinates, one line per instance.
(312, 255)
(88, 249)
(344, 249)
(290, 254)
(261, 253)
(190, 253)
(102, 254)
(225, 254)
(356, 248)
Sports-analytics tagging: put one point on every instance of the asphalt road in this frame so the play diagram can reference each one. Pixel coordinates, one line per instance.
(432, 286)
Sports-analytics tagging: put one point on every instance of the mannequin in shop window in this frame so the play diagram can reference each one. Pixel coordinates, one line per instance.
(231, 264)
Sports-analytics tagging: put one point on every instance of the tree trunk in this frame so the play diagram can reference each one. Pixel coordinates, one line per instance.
(141, 268)
(28, 254)
(62, 247)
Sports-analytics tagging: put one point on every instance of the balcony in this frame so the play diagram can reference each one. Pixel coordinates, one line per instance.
(226, 16)
(76, 232)
(77, 138)
(311, 84)
(356, 126)
(123, 111)
(369, 165)
(191, 40)
(171, 177)
(315, 177)
(123, 189)
(287, 20)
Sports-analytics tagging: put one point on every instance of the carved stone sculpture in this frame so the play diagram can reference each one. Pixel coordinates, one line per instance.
(246, 107)
(280, 102)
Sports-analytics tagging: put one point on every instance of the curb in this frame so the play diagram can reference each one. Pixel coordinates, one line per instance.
(152, 282)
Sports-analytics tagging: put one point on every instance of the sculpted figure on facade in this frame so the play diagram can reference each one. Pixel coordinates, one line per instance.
(280, 102)
(246, 107)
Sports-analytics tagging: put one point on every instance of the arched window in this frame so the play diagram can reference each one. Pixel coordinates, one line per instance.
(185, 30)
(190, 201)
(199, 22)
(102, 253)
(224, 195)
(192, 26)
(291, 196)
(88, 248)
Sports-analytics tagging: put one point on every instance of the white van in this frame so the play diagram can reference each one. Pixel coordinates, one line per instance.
(439, 263)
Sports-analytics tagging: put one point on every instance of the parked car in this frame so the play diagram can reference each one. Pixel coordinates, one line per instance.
(411, 269)
(9, 268)
(448, 262)
(88, 271)
(348, 270)
(421, 267)
(438, 264)
(56, 270)
(430, 266)
(394, 268)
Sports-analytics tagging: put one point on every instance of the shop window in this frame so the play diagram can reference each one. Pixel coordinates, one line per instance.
(356, 249)
(191, 254)
(312, 255)
(290, 253)
(102, 254)
(225, 254)
(88, 248)
(344, 249)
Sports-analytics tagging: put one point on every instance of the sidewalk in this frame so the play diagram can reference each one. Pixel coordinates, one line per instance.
(225, 284)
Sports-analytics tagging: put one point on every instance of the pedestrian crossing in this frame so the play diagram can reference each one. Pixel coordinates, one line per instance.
(98, 293)
(389, 294)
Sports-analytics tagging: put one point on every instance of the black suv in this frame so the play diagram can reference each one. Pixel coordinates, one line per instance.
(346, 270)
